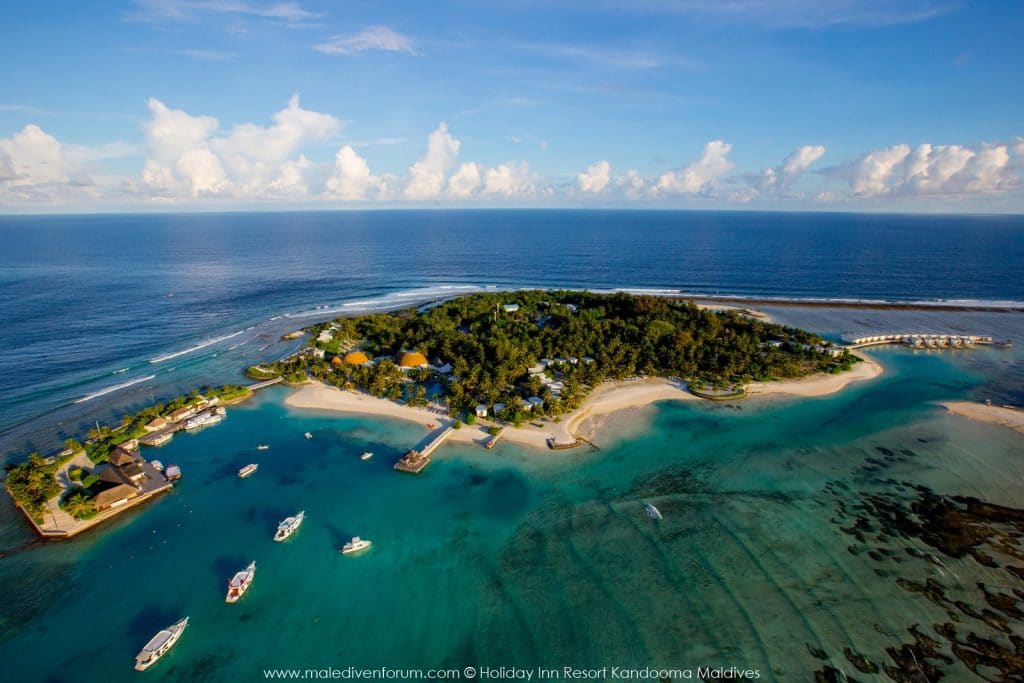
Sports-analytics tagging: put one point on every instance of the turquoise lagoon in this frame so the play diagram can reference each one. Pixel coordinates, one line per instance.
(788, 544)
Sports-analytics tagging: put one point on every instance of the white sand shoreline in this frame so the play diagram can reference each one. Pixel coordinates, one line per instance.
(1012, 418)
(610, 397)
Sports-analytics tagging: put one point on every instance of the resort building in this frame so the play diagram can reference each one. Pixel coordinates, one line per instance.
(534, 402)
(481, 410)
(156, 424)
(498, 408)
(356, 357)
(324, 337)
(407, 360)
(511, 308)
(182, 414)
(115, 496)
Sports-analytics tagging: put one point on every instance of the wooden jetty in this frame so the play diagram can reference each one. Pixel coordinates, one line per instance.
(494, 439)
(416, 460)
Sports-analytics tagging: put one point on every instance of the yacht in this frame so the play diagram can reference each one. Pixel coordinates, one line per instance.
(157, 465)
(288, 526)
(240, 582)
(355, 545)
(652, 511)
(262, 447)
(204, 419)
(366, 456)
(248, 470)
(173, 472)
(159, 644)
(308, 435)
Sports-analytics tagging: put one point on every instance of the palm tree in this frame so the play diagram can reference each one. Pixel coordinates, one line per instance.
(78, 504)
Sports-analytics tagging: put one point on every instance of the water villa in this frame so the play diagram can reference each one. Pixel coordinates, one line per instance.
(919, 340)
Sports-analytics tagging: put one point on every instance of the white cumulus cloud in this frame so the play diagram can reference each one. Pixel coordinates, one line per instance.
(781, 177)
(933, 170)
(33, 157)
(186, 157)
(465, 181)
(701, 175)
(427, 175)
(509, 180)
(595, 178)
(352, 179)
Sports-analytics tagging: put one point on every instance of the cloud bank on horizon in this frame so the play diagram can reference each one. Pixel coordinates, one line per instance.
(476, 117)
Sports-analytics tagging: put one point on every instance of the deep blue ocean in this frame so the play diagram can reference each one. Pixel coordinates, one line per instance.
(165, 303)
(817, 539)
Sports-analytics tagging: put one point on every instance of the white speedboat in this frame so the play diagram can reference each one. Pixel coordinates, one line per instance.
(240, 582)
(652, 511)
(262, 447)
(288, 526)
(248, 470)
(159, 644)
(157, 465)
(308, 435)
(366, 456)
(355, 545)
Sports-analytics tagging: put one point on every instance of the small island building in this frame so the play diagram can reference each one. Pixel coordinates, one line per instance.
(355, 357)
(182, 414)
(409, 360)
(157, 424)
(481, 410)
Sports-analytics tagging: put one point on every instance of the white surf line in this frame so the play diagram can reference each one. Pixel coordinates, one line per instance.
(197, 347)
(116, 387)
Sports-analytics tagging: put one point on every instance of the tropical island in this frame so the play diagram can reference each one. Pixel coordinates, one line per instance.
(530, 366)
(535, 364)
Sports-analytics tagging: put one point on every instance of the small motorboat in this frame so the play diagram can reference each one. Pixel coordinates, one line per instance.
(308, 435)
(652, 511)
(157, 465)
(288, 526)
(263, 447)
(366, 456)
(355, 545)
(239, 583)
(159, 644)
(248, 470)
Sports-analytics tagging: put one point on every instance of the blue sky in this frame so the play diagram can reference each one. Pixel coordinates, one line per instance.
(794, 104)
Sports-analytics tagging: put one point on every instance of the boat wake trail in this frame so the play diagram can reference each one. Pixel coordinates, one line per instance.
(116, 387)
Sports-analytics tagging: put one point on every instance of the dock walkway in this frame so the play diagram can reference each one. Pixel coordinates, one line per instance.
(416, 460)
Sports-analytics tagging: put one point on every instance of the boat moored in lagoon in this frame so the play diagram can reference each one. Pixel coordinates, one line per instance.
(262, 447)
(366, 456)
(248, 470)
(355, 545)
(240, 583)
(204, 419)
(288, 526)
(173, 472)
(308, 435)
(159, 644)
(652, 511)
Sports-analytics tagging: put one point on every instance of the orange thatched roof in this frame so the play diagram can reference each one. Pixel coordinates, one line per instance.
(411, 359)
(356, 358)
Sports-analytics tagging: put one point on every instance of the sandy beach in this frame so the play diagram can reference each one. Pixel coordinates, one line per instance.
(608, 398)
(819, 384)
(1006, 417)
